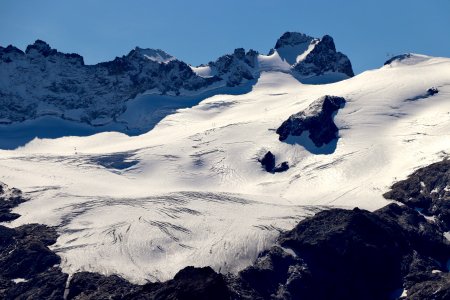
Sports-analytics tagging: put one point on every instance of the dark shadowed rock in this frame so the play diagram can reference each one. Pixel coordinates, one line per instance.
(432, 91)
(48, 285)
(276, 272)
(398, 58)
(349, 254)
(238, 67)
(423, 236)
(293, 39)
(284, 166)
(24, 252)
(194, 283)
(324, 58)
(41, 47)
(268, 163)
(85, 285)
(432, 286)
(189, 283)
(355, 254)
(427, 189)
(317, 119)
(9, 198)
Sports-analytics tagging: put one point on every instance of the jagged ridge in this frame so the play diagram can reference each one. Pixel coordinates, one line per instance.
(43, 81)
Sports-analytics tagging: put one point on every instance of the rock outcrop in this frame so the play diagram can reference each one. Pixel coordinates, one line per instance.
(268, 162)
(323, 59)
(9, 198)
(428, 190)
(352, 254)
(317, 119)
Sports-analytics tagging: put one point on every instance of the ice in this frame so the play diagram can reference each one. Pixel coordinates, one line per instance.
(191, 190)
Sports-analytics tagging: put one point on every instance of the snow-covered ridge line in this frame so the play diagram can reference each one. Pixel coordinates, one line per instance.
(42, 81)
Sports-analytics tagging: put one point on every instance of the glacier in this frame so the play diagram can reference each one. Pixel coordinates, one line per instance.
(191, 190)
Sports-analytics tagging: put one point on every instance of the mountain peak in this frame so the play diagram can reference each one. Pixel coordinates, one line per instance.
(322, 58)
(293, 39)
(328, 43)
(41, 47)
(156, 55)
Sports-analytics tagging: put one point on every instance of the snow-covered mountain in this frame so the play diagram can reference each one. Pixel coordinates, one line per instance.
(216, 162)
(194, 189)
(43, 82)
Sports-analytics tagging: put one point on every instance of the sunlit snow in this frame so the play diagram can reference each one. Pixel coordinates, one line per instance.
(192, 192)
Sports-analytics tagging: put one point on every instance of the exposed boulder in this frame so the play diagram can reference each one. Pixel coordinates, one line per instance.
(268, 163)
(432, 91)
(317, 119)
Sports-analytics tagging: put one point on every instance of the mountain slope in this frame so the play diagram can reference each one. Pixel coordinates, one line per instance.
(132, 93)
(192, 191)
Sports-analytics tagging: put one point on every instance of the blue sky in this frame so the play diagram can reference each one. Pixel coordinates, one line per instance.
(198, 31)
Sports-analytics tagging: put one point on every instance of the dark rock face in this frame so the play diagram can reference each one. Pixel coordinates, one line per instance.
(427, 189)
(194, 283)
(24, 254)
(239, 66)
(268, 163)
(9, 198)
(324, 58)
(85, 285)
(189, 283)
(45, 285)
(351, 254)
(431, 287)
(24, 251)
(432, 91)
(293, 39)
(317, 119)
(41, 47)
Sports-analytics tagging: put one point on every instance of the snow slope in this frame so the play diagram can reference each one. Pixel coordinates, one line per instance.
(192, 192)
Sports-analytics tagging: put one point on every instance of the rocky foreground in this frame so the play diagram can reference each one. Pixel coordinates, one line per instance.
(398, 251)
